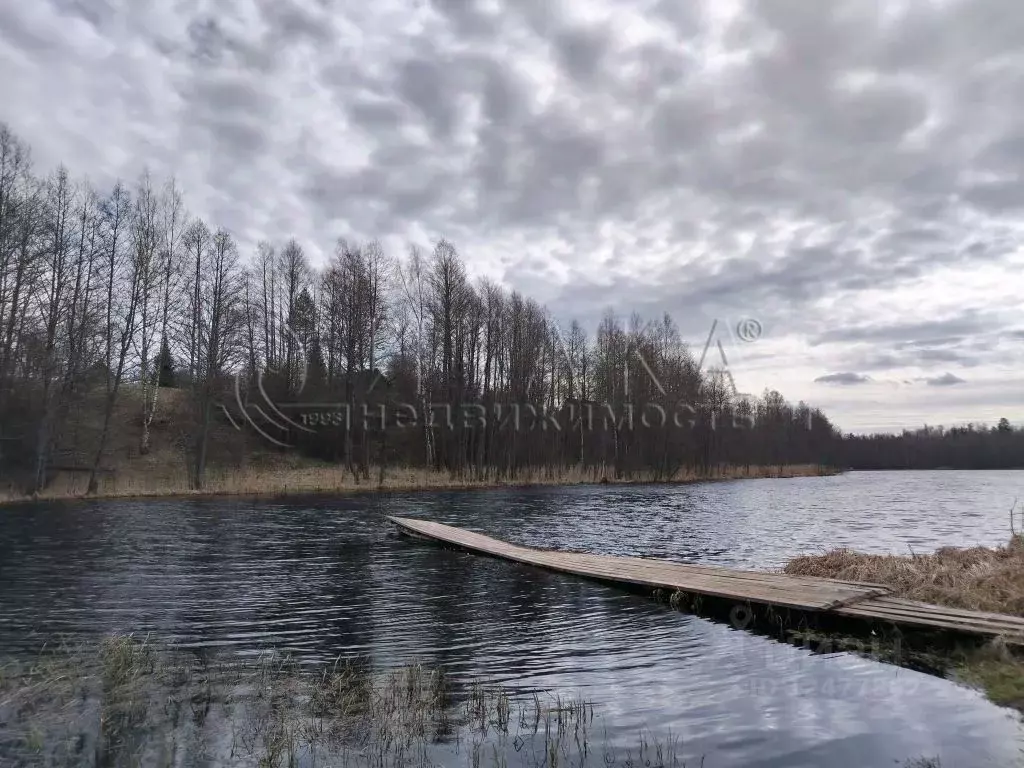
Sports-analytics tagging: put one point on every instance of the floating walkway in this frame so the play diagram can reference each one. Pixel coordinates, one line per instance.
(848, 599)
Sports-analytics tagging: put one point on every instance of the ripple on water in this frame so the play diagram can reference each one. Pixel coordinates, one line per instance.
(327, 577)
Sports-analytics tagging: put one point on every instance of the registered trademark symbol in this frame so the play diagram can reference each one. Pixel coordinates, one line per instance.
(748, 329)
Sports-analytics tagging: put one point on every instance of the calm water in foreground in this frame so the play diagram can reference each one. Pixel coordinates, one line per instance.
(323, 577)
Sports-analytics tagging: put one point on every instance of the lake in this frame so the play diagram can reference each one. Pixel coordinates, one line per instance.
(326, 577)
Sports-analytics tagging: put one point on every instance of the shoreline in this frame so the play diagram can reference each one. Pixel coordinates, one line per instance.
(247, 483)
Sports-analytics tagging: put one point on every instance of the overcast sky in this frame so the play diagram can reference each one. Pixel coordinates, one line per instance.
(848, 172)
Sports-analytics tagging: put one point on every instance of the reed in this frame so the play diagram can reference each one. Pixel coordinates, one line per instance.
(164, 475)
(978, 578)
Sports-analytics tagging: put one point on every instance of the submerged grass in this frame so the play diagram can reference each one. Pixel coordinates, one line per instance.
(977, 578)
(130, 701)
(995, 670)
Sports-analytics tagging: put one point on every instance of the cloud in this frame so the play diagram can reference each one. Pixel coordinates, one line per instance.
(874, 359)
(845, 379)
(829, 168)
(912, 333)
(945, 380)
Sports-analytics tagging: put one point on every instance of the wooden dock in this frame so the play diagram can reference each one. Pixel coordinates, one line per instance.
(848, 599)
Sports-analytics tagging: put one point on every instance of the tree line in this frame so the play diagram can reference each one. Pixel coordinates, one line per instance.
(971, 446)
(371, 360)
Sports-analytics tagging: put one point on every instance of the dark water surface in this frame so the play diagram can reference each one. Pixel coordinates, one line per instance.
(323, 577)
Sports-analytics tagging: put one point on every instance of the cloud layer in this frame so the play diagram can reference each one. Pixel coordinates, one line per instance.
(844, 379)
(848, 173)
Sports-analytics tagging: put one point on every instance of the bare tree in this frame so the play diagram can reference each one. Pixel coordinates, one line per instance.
(413, 279)
(124, 275)
(21, 207)
(172, 211)
(295, 276)
(220, 320)
(196, 242)
(57, 276)
(448, 301)
(92, 292)
(266, 264)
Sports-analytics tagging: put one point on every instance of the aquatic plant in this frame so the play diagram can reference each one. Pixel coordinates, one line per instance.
(130, 700)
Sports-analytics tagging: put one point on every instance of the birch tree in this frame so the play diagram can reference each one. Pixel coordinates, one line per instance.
(413, 280)
(145, 234)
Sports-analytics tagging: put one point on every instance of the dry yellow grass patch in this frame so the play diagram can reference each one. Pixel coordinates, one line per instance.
(164, 473)
(979, 578)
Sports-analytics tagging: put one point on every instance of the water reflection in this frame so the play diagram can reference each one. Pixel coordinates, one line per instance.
(322, 577)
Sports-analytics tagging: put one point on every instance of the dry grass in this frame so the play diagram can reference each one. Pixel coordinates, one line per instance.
(163, 473)
(978, 579)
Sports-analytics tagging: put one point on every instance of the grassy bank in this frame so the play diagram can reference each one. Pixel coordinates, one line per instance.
(241, 463)
(130, 701)
(977, 578)
(165, 475)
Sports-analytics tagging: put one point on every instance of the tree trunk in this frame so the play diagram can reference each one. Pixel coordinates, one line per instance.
(93, 487)
(202, 446)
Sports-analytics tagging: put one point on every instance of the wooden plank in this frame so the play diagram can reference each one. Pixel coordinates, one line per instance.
(664, 574)
(867, 611)
(899, 602)
(725, 588)
(854, 599)
(812, 582)
(875, 608)
(757, 575)
(722, 582)
(996, 624)
(747, 586)
(741, 582)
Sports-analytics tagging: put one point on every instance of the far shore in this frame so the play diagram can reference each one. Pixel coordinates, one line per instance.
(322, 479)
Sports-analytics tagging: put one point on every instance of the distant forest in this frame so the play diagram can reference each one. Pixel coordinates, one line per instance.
(368, 361)
(964, 447)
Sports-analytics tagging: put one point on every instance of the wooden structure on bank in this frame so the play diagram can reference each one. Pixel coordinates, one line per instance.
(848, 599)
